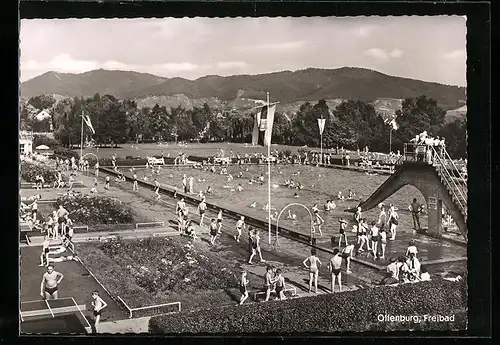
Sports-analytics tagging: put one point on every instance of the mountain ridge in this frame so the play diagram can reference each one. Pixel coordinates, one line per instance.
(310, 84)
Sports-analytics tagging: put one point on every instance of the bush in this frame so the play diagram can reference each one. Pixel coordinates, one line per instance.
(349, 311)
(89, 210)
(29, 171)
(66, 153)
(45, 140)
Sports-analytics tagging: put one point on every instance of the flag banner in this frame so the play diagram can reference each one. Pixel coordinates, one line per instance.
(86, 119)
(255, 134)
(269, 125)
(263, 118)
(321, 125)
(394, 124)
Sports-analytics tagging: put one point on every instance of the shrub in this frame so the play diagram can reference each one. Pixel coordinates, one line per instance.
(349, 311)
(45, 140)
(66, 153)
(90, 210)
(29, 171)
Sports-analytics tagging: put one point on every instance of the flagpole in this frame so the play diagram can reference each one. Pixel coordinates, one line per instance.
(321, 144)
(269, 172)
(81, 139)
(390, 140)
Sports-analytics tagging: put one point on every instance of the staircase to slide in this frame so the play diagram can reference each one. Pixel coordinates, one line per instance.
(436, 176)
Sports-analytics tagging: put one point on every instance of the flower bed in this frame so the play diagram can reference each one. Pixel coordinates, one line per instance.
(91, 210)
(30, 170)
(160, 270)
(350, 311)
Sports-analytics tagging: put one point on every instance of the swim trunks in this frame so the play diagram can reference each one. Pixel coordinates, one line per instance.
(336, 271)
(51, 291)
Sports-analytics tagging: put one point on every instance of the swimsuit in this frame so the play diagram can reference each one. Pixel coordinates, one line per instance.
(97, 313)
(51, 291)
(336, 271)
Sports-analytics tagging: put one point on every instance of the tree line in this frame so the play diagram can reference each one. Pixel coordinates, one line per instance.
(352, 124)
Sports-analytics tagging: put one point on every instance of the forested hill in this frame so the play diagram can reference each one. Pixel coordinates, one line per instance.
(310, 84)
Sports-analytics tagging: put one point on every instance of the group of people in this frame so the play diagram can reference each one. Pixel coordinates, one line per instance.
(406, 268)
(313, 264)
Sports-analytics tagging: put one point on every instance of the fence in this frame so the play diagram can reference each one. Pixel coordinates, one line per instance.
(131, 310)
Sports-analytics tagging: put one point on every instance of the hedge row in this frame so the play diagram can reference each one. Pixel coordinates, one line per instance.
(66, 153)
(29, 171)
(350, 311)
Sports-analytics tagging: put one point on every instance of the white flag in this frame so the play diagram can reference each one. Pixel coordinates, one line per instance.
(87, 121)
(321, 125)
(394, 124)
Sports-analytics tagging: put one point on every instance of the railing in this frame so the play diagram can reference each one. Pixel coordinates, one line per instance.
(444, 172)
(131, 310)
(442, 162)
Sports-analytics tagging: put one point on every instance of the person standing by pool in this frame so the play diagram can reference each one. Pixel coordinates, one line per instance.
(219, 221)
(256, 247)
(50, 281)
(243, 286)
(135, 186)
(415, 209)
(343, 234)
(96, 169)
(44, 257)
(393, 223)
(279, 280)
(106, 186)
(374, 238)
(383, 242)
(240, 224)
(346, 254)
(202, 207)
(157, 189)
(191, 181)
(313, 268)
(335, 264)
(318, 220)
(61, 219)
(184, 183)
(98, 304)
(213, 231)
(382, 217)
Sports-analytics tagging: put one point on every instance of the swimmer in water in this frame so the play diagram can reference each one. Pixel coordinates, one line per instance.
(253, 204)
(291, 215)
(295, 195)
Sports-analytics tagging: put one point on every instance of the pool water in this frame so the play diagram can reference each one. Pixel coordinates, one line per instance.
(320, 184)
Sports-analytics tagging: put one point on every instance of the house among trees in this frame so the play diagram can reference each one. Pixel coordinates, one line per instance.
(45, 115)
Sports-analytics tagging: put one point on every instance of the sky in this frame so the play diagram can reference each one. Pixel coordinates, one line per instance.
(425, 48)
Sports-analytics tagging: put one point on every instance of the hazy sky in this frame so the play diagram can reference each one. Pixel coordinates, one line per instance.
(426, 48)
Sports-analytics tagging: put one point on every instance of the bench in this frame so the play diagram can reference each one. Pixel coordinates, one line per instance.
(255, 294)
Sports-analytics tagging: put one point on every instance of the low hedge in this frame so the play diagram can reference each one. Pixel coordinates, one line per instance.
(348, 311)
(30, 170)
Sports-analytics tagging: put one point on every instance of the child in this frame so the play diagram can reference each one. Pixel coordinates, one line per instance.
(240, 224)
(243, 287)
(213, 231)
(280, 285)
(190, 230)
(98, 304)
(157, 189)
(44, 257)
(346, 254)
(313, 268)
(107, 182)
(343, 234)
(219, 221)
(202, 207)
(383, 242)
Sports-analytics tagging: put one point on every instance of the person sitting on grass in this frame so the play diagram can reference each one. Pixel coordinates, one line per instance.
(243, 287)
(392, 272)
(424, 274)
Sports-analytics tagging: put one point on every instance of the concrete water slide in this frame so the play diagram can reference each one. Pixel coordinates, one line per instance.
(426, 179)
